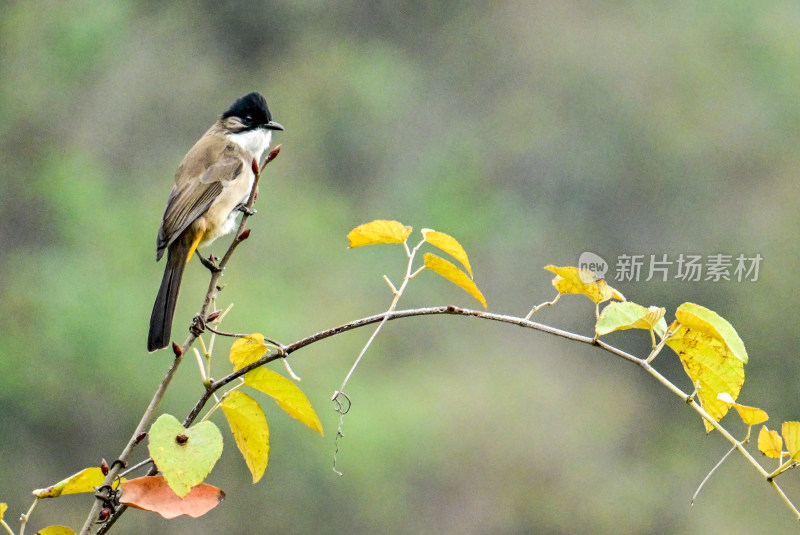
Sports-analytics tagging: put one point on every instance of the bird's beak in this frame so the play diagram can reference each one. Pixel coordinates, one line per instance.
(272, 125)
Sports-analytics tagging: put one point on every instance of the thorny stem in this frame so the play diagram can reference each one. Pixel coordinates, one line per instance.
(148, 414)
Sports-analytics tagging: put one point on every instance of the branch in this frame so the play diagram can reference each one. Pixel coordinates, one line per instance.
(148, 414)
(513, 320)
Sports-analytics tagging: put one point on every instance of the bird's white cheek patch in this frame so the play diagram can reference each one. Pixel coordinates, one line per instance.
(255, 142)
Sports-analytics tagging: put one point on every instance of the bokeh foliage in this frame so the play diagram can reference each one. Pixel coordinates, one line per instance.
(531, 131)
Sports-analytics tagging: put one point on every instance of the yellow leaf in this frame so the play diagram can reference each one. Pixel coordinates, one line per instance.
(3, 509)
(449, 245)
(710, 365)
(247, 350)
(749, 415)
(250, 430)
(55, 530)
(791, 436)
(571, 280)
(289, 397)
(378, 231)
(769, 443)
(629, 315)
(84, 481)
(712, 324)
(449, 271)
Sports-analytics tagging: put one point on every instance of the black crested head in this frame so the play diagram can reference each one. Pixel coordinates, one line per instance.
(253, 111)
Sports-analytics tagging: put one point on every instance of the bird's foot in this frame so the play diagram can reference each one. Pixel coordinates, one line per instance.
(210, 263)
(245, 210)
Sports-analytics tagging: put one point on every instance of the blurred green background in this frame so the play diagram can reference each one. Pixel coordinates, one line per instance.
(532, 131)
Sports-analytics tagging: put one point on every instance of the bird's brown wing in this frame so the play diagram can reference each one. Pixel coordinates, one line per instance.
(211, 163)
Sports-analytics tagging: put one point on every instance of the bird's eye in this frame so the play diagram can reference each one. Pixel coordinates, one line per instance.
(248, 119)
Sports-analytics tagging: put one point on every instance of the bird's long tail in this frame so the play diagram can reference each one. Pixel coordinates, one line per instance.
(164, 307)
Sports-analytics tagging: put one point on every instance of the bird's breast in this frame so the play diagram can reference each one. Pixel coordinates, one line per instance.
(220, 218)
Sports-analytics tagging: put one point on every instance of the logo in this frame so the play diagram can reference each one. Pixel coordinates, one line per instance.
(595, 264)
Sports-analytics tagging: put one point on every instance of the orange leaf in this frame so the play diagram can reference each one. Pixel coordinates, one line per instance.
(152, 493)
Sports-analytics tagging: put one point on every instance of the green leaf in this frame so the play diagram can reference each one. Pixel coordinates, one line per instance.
(288, 396)
(623, 315)
(250, 430)
(184, 456)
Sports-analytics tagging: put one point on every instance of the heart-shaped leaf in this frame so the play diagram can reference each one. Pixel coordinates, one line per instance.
(184, 456)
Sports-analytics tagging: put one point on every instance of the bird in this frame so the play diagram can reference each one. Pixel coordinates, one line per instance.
(211, 185)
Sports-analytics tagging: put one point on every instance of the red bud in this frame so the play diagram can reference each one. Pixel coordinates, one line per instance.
(104, 467)
(214, 315)
(273, 153)
(244, 235)
(140, 437)
(254, 166)
(104, 514)
(181, 439)
(177, 349)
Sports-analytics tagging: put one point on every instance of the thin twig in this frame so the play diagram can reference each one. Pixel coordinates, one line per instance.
(710, 473)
